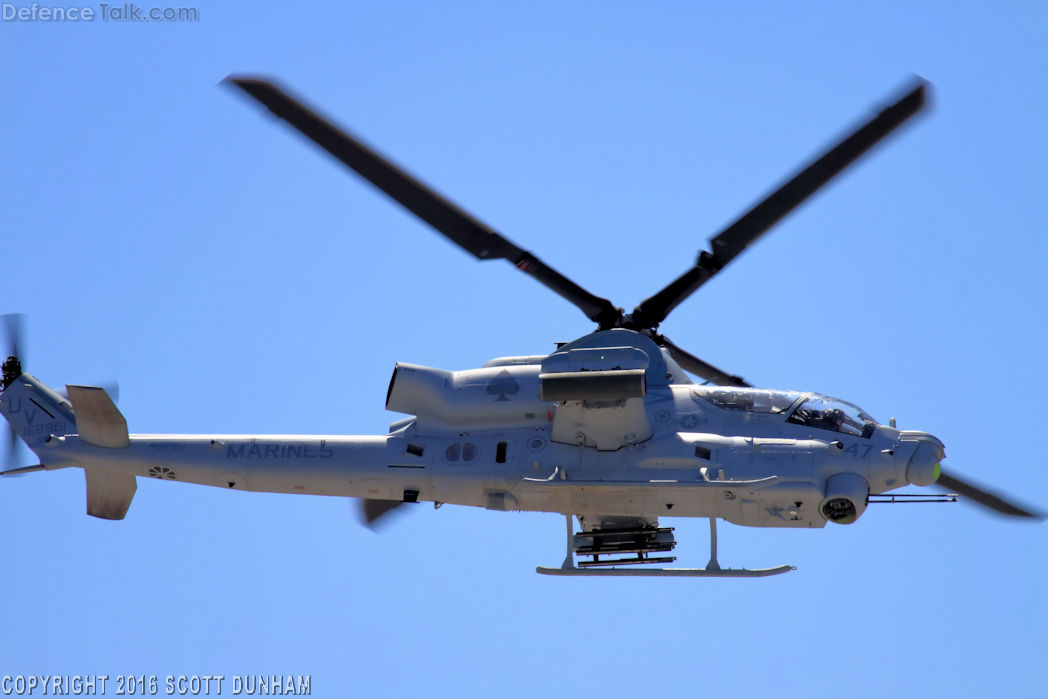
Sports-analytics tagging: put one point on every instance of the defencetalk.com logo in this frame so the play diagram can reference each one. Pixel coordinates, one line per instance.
(103, 12)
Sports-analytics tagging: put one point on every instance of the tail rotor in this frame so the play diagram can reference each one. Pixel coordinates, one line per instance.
(12, 368)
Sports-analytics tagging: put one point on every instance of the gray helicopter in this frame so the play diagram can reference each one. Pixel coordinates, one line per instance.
(608, 430)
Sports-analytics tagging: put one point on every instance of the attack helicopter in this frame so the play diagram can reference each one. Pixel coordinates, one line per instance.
(608, 430)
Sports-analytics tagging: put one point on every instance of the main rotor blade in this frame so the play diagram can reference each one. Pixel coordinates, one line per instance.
(698, 367)
(14, 472)
(984, 497)
(472, 235)
(731, 241)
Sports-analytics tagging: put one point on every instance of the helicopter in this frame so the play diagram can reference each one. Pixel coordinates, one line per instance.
(609, 430)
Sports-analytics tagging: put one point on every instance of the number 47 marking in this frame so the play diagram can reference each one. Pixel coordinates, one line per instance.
(854, 450)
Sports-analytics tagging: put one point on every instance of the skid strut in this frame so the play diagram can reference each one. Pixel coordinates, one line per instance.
(638, 543)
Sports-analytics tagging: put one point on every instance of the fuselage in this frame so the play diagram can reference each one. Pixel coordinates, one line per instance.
(486, 438)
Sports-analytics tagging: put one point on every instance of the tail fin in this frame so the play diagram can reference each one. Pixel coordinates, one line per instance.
(109, 492)
(97, 418)
(35, 412)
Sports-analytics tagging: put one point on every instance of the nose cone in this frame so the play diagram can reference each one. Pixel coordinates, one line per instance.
(924, 468)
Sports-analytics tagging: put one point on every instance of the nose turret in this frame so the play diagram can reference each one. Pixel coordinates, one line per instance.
(924, 468)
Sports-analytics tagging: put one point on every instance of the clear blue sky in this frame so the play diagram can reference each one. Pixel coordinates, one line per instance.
(160, 230)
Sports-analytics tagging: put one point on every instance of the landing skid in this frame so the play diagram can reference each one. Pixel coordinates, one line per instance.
(712, 569)
(669, 572)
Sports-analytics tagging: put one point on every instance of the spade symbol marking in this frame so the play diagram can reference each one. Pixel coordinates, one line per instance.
(503, 384)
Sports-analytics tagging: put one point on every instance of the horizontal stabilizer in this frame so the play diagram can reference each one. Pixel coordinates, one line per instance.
(98, 420)
(109, 491)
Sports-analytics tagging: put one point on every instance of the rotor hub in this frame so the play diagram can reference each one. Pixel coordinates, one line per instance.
(12, 369)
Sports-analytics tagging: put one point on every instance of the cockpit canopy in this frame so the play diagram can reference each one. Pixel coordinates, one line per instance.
(752, 400)
(809, 409)
(833, 414)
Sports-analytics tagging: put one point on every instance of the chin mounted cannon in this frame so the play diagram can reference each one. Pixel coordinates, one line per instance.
(845, 498)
